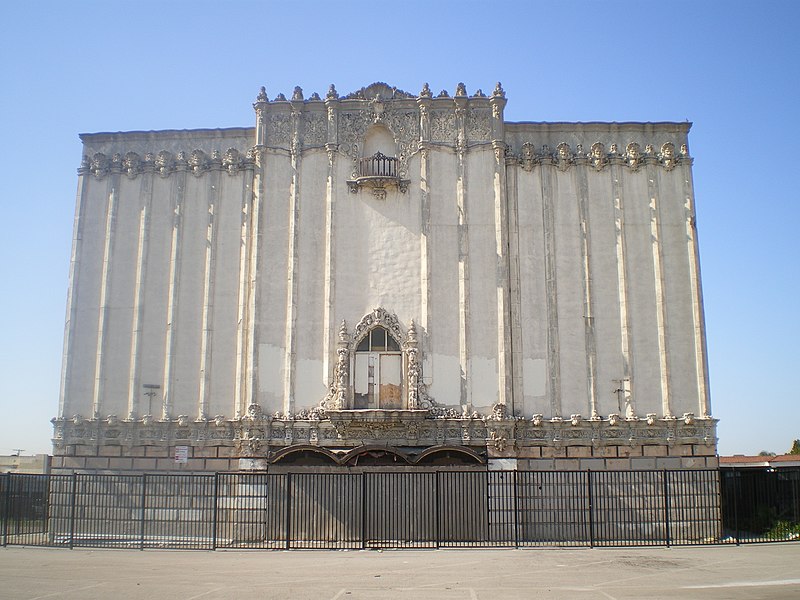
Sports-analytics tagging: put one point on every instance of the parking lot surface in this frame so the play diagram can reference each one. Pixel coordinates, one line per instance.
(753, 572)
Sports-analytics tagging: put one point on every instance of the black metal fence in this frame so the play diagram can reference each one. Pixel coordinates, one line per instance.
(401, 509)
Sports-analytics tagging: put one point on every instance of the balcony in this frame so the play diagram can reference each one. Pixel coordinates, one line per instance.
(377, 172)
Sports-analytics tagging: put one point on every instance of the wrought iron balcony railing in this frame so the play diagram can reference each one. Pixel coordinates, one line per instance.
(377, 172)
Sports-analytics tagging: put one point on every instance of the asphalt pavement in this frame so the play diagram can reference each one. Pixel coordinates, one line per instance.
(767, 571)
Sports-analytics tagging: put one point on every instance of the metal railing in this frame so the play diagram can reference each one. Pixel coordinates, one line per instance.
(377, 165)
(398, 509)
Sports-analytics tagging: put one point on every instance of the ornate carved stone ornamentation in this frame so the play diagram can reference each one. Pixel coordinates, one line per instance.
(231, 160)
(442, 126)
(564, 157)
(382, 317)
(479, 124)
(417, 391)
(667, 156)
(528, 157)
(99, 166)
(131, 164)
(198, 162)
(316, 129)
(163, 163)
(633, 156)
(279, 130)
(597, 156)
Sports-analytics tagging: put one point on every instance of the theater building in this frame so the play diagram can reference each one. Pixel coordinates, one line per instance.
(386, 279)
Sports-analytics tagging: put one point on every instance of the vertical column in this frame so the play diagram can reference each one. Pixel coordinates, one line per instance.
(463, 255)
(504, 396)
(208, 306)
(329, 283)
(701, 358)
(74, 273)
(105, 278)
(588, 313)
(179, 186)
(134, 391)
(622, 285)
(252, 199)
(246, 305)
(551, 290)
(424, 103)
(658, 272)
(290, 340)
(515, 293)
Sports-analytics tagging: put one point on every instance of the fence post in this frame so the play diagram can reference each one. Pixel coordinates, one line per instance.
(288, 510)
(214, 516)
(516, 510)
(736, 504)
(438, 510)
(73, 507)
(363, 509)
(666, 508)
(6, 508)
(143, 503)
(591, 507)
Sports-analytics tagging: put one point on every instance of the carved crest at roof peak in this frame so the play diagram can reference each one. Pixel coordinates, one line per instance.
(379, 88)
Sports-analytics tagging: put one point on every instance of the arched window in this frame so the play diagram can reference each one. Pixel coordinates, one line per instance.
(378, 371)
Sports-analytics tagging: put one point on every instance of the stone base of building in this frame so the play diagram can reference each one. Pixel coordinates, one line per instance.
(393, 440)
(196, 459)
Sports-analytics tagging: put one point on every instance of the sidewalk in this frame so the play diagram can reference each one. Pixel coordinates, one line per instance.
(757, 571)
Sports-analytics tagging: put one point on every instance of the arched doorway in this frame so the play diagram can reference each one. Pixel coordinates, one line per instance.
(378, 371)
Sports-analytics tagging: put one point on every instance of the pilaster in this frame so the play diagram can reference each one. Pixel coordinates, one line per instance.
(134, 390)
(74, 274)
(463, 254)
(582, 188)
(290, 339)
(252, 193)
(329, 283)
(626, 383)
(695, 284)
(105, 280)
(504, 323)
(178, 191)
(658, 271)
(207, 315)
(551, 291)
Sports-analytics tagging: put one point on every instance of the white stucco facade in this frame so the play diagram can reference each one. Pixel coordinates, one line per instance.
(386, 270)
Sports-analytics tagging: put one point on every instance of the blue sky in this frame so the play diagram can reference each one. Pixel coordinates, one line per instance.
(729, 67)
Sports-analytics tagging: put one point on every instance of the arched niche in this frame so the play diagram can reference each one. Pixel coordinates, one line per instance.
(379, 139)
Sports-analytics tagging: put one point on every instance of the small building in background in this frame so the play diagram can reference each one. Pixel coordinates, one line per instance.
(19, 463)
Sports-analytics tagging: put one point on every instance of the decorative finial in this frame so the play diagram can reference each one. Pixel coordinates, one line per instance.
(298, 93)
(343, 337)
(443, 94)
(426, 91)
(280, 98)
(332, 93)
(498, 91)
(461, 89)
(412, 333)
(315, 96)
(262, 95)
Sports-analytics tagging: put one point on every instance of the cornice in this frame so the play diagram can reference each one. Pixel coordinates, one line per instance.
(256, 432)
(599, 157)
(164, 163)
